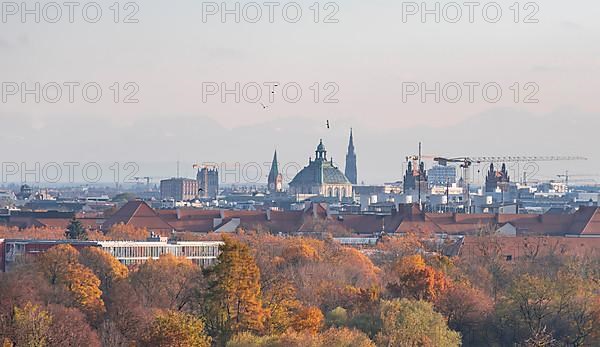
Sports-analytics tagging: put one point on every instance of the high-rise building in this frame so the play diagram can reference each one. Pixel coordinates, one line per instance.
(350, 170)
(208, 182)
(441, 175)
(275, 180)
(179, 189)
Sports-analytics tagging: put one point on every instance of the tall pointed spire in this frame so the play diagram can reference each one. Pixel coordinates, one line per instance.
(275, 180)
(274, 164)
(350, 171)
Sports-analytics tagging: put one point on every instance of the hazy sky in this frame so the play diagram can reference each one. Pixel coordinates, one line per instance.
(367, 57)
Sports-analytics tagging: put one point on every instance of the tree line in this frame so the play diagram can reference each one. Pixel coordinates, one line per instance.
(268, 290)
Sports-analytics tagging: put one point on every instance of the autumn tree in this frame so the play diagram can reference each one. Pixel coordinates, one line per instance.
(412, 278)
(466, 308)
(75, 230)
(166, 283)
(309, 319)
(414, 323)
(391, 248)
(33, 233)
(337, 317)
(338, 337)
(74, 283)
(105, 266)
(70, 328)
(282, 305)
(299, 252)
(129, 314)
(540, 308)
(19, 287)
(528, 306)
(177, 329)
(123, 232)
(31, 326)
(233, 300)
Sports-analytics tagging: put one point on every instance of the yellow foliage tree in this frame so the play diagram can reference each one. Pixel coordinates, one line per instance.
(122, 232)
(338, 337)
(233, 302)
(414, 323)
(31, 325)
(105, 266)
(60, 266)
(300, 251)
(177, 329)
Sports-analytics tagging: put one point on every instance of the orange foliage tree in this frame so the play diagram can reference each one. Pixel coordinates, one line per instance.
(412, 278)
(309, 319)
(61, 268)
(233, 301)
(123, 232)
(105, 266)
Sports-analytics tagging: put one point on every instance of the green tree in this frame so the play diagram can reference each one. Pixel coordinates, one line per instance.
(75, 230)
(233, 301)
(177, 329)
(414, 323)
(337, 317)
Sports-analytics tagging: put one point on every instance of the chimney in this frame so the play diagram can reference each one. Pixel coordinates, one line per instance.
(269, 214)
(178, 213)
(314, 208)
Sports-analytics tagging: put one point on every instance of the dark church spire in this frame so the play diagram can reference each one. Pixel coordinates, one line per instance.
(350, 171)
(275, 180)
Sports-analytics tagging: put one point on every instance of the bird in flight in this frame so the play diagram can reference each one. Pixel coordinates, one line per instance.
(328, 124)
(264, 106)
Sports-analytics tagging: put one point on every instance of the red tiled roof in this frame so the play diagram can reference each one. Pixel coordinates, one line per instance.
(586, 221)
(188, 213)
(139, 215)
(194, 225)
(531, 246)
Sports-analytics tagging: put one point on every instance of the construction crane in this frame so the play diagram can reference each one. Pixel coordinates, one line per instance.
(208, 166)
(148, 179)
(567, 177)
(466, 162)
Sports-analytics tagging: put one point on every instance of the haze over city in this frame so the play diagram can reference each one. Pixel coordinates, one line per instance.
(368, 54)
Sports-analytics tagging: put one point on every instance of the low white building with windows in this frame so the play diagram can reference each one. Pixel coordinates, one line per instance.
(202, 253)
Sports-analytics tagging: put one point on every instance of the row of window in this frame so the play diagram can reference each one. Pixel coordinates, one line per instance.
(156, 251)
